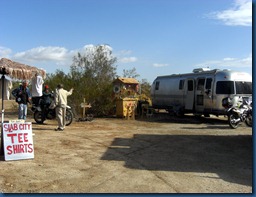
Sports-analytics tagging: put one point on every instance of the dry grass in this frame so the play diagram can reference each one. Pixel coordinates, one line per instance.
(9, 105)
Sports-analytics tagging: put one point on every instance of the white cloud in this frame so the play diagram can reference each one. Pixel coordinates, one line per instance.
(48, 58)
(5, 52)
(160, 65)
(55, 54)
(123, 56)
(239, 15)
(228, 59)
(90, 48)
(44, 54)
(228, 63)
(52, 57)
(127, 59)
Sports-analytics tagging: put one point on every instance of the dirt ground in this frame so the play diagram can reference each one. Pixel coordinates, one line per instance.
(161, 154)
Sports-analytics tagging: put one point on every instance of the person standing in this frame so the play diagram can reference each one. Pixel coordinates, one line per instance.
(60, 99)
(47, 96)
(23, 97)
(46, 101)
(7, 88)
(37, 88)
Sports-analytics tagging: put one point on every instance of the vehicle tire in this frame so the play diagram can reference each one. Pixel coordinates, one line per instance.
(69, 117)
(231, 121)
(248, 120)
(38, 117)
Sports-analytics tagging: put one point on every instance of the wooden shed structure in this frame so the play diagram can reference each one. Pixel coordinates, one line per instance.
(123, 85)
(125, 90)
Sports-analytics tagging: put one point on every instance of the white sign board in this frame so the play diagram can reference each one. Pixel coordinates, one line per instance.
(18, 140)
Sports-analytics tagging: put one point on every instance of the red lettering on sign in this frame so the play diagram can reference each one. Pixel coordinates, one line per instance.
(19, 148)
(25, 126)
(10, 127)
(12, 135)
(18, 142)
(9, 148)
(30, 148)
(25, 137)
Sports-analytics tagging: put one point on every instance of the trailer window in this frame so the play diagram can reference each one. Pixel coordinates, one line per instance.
(200, 84)
(157, 85)
(225, 87)
(190, 85)
(208, 83)
(243, 87)
(181, 85)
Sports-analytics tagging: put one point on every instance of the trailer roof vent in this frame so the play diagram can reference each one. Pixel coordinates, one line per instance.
(197, 70)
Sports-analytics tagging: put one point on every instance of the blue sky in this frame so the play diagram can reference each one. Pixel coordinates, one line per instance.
(157, 37)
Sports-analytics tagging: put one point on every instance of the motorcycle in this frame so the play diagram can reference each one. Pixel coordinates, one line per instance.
(43, 112)
(239, 110)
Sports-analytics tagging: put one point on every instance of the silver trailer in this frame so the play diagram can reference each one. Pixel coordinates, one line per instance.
(200, 92)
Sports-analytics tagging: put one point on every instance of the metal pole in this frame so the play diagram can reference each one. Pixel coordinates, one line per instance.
(3, 72)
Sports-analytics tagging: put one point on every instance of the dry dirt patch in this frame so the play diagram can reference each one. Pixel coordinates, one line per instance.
(159, 155)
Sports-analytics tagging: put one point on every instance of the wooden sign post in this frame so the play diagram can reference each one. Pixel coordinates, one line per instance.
(85, 106)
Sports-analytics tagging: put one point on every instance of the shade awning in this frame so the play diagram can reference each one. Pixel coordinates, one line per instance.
(20, 71)
(126, 80)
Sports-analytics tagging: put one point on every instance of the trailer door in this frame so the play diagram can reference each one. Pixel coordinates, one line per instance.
(199, 96)
(189, 95)
(208, 98)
